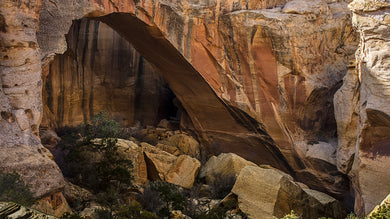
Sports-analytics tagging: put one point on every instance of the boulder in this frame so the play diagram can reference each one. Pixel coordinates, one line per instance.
(54, 204)
(76, 194)
(266, 193)
(226, 165)
(133, 152)
(163, 166)
(183, 171)
(158, 162)
(185, 145)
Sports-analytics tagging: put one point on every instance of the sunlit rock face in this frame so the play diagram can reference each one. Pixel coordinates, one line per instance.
(256, 78)
(365, 142)
(101, 71)
(21, 101)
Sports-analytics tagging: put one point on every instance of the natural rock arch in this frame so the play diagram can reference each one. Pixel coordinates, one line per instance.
(253, 78)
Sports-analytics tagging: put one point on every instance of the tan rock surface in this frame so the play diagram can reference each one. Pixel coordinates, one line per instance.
(264, 193)
(163, 166)
(133, 152)
(54, 204)
(20, 99)
(370, 173)
(183, 171)
(226, 165)
(186, 145)
(256, 86)
(158, 162)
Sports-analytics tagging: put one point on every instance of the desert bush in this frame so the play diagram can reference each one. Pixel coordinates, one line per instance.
(12, 188)
(96, 175)
(135, 211)
(68, 215)
(162, 197)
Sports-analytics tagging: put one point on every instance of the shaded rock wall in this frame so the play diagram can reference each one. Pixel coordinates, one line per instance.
(365, 142)
(101, 71)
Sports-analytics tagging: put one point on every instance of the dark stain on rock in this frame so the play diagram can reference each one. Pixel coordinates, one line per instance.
(2, 24)
(8, 116)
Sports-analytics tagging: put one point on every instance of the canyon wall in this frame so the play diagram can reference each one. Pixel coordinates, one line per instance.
(256, 78)
(364, 107)
(241, 70)
(101, 71)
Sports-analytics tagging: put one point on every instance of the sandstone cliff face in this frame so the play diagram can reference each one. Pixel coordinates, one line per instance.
(21, 100)
(369, 107)
(101, 71)
(256, 78)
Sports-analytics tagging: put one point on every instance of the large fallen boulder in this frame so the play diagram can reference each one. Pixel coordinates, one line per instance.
(226, 165)
(267, 193)
(161, 165)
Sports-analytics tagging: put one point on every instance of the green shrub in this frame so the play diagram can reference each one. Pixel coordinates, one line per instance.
(96, 175)
(148, 215)
(12, 188)
(222, 186)
(68, 215)
(292, 215)
(162, 197)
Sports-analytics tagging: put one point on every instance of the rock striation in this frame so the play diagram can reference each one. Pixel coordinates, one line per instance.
(256, 78)
(256, 87)
(364, 116)
(267, 193)
(101, 71)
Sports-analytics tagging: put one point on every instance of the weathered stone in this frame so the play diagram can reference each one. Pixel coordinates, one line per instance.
(54, 204)
(183, 171)
(163, 166)
(225, 165)
(370, 173)
(76, 194)
(158, 162)
(20, 99)
(133, 152)
(265, 193)
(255, 86)
(115, 78)
(13, 211)
(185, 145)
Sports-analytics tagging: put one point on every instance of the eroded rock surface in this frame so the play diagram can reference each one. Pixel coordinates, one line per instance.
(247, 80)
(101, 71)
(161, 165)
(225, 166)
(265, 193)
(367, 108)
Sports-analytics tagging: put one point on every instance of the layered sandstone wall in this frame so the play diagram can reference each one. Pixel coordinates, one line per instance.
(256, 78)
(101, 71)
(364, 143)
(21, 100)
